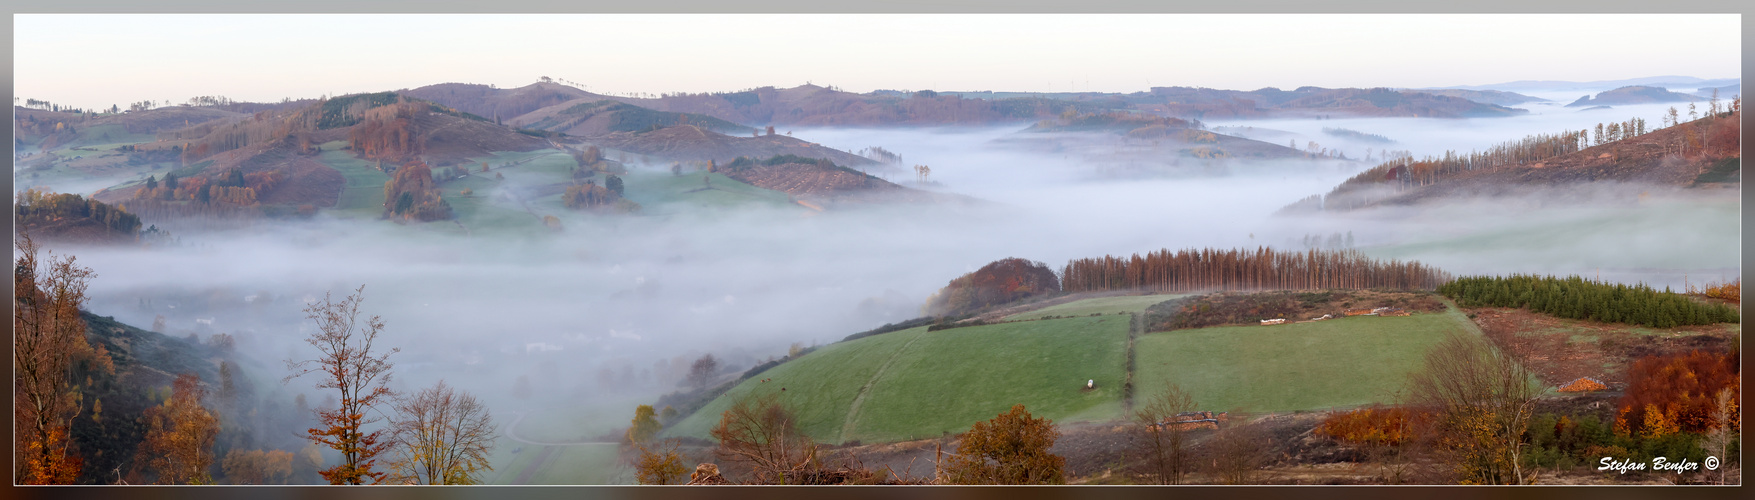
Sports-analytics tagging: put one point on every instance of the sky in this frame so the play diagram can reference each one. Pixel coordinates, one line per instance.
(93, 60)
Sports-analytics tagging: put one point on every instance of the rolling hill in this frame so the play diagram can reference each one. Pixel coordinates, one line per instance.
(1632, 95)
(586, 118)
(694, 143)
(916, 383)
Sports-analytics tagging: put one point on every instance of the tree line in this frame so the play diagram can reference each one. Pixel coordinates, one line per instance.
(1577, 298)
(1243, 269)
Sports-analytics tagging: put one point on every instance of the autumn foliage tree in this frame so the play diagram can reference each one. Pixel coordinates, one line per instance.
(444, 437)
(48, 335)
(998, 282)
(660, 464)
(1010, 449)
(179, 441)
(257, 466)
(645, 425)
(350, 362)
(1676, 393)
(412, 193)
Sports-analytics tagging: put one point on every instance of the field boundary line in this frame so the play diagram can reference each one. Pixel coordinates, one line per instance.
(858, 399)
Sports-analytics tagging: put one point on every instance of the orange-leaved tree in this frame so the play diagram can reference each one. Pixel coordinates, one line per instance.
(180, 435)
(1674, 393)
(48, 335)
(350, 362)
(1010, 449)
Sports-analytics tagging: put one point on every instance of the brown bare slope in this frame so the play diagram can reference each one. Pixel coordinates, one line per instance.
(818, 183)
(285, 143)
(505, 104)
(596, 118)
(692, 143)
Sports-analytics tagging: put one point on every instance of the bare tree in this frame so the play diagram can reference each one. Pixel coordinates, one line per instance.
(444, 437)
(1483, 400)
(1719, 438)
(763, 433)
(1161, 441)
(1237, 452)
(702, 371)
(348, 363)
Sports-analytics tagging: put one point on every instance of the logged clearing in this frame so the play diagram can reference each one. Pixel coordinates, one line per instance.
(1296, 366)
(914, 383)
(1561, 350)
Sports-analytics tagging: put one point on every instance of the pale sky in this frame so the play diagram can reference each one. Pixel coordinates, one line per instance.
(93, 61)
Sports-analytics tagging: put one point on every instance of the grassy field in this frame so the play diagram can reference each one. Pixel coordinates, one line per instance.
(658, 191)
(821, 385)
(581, 464)
(1299, 366)
(363, 197)
(1103, 305)
(919, 383)
(954, 378)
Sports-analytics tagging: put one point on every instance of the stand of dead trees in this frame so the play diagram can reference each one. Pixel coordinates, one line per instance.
(1240, 269)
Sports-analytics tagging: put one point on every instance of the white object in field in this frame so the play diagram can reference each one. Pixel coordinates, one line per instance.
(1091, 384)
(1275, 321)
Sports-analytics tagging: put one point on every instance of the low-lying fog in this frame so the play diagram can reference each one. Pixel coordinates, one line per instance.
(630, 295)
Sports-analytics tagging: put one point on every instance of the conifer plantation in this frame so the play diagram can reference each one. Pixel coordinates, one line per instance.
(1577, 298)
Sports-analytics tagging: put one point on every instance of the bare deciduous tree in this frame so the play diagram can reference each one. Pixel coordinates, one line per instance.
(763, 433)
(1483, 400)
(1165, 446)
(443, 437)
(702, 371)
(1237, 452)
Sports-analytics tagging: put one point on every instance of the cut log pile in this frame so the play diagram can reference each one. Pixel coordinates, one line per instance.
(1584, 384)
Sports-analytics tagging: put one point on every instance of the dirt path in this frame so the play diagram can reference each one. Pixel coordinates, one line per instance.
(853, 409)
(1134, 325)
(524, 476)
